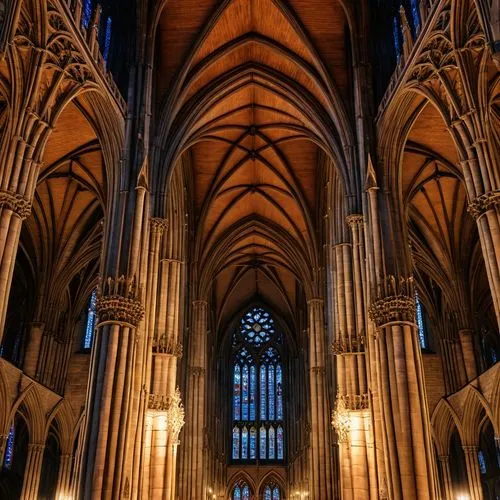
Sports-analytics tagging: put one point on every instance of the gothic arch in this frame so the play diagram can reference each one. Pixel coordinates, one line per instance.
(238, 476)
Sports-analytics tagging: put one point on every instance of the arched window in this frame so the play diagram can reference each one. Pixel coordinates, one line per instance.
(422, 334)
(107, 39)
(257, 392)
(86, 13)
(271, 492)
(396, 37)
(90, 323)
(415, 15)
(241, 491)
(9, 447)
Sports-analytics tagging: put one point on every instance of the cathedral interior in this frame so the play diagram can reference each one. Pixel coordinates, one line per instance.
(249, 249)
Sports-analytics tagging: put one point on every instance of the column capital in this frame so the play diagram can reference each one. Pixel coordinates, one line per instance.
(392, 309)
(196, 371)
(200, 303)
(354, 219)
(482, 204)
(315, 300)
(158, 224)
(17, 203)
(167, 345)
(348, 345)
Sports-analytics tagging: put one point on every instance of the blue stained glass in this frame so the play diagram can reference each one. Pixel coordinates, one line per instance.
(246, 493)
(253, 443)
(107, 39)
(9, 448)
(482, 461)
(244, 387)
(86, 13)
(236, 393)
(267, 493)
(263, 412)
(279, 393)
(280, 439)
(236, 443)
(91, 315)
(262, 442)
(244, 443)
(272, 447)
(395, 34)
(420, 323)
(270, 390)
(276, 493)
(237, 493)
(253, 390)
(415, 14)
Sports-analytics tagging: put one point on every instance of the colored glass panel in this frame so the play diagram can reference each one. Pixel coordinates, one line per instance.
(415, 15)
(237, 493)
(86, 13)
(245, 493)
(9, 448)
(91, 316)
(236, 443)
(107, 39)
(263, 412)
(420, 323)
(482, 461)
(279, 393)
(253, 443)
(272, 446)
(237, 393)
(262, 443)
(270, 391)
(280, 442)
(244, 391)
(244, 443)
(267, 493)
(395, 34)
(253, 390)
(276, 493)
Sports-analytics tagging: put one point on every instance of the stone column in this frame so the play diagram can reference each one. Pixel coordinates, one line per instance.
(193, 480)
(320, 479)
(467, 343)
(473, 472)
(63, 489)
(32, 471)
(446, 484)
(33, 349)
(408, 446)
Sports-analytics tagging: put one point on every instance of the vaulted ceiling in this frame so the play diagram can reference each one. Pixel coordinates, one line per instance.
(250, 91)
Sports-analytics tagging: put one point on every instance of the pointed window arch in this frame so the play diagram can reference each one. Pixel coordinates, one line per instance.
(90, 323)
(257, 389)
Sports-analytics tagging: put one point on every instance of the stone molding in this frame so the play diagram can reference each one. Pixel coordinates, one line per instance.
(20, 205)
(119, 309)
(484, 203)
(354, 219)
(175, 415)
(356, 402)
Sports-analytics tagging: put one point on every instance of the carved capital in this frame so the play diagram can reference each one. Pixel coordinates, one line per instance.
(393, 308)
(348, 345)
(483, 203)
(355, 402)
(354, 219)
(175, 415)
(158, 224)
(17, 203)
(318, 370)
(118, 309)
(196, 371)
(158, 402)
(167, 345)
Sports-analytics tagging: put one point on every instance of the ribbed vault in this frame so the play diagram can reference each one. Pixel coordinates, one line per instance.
(251, 91)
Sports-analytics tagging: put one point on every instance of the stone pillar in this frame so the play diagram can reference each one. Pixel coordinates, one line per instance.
(33, 349)
(14, 208)
(473, 472)
(446, 484)
(32, 471)
(119, 310)
(63, 489)
(485, 210)
(467, 343)
(320, 480)
(193, 480)
(408, 446)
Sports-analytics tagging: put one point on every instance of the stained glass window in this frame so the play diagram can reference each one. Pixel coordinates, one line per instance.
(90, 325)
(415, 15)
(253, 443)
(395, 34)
(422, 338)
(107, 39)
(86, 13)
(267, 493)
(244, 443)
(271, 492)
(9, 448)
(258, 407)
(237, 493)
(482, 461)
(276, 493)
(246, 493)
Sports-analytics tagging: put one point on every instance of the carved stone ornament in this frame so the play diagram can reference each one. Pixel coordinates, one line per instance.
(483, 203)
(196, 371)
(394, 308)
(158, 224)
(167, 345)
(175, 415)
(341, 421)
(354, 219)
(15, 202)
(348, 345)
(355, 402)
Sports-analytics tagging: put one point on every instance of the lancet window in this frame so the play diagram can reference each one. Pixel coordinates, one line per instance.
(257, 389)
(241, 491)
(90, 323)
